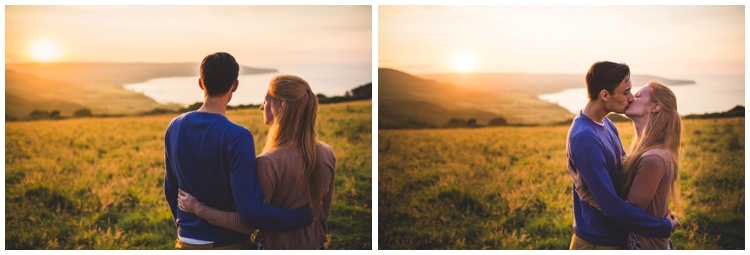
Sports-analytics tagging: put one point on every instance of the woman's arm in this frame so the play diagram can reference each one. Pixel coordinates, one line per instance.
(267, 176)
(651, 170)
(328, 198)
(228, 220)
(582, 190)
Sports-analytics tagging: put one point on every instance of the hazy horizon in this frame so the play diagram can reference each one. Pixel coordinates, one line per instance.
(671, 41)
(541, 72)
(257, 36)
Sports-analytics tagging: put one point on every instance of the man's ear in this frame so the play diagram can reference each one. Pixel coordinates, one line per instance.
(656, 108)
(604, 95)
(234, 85)
(200, 84)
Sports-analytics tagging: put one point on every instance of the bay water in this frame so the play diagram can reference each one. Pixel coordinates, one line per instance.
(328, 79)
(709, 94)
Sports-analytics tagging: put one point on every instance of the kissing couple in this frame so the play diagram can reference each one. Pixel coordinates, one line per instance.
(619, 201)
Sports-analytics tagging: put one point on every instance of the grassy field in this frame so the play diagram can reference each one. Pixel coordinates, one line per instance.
(97, 183)
(507, 187)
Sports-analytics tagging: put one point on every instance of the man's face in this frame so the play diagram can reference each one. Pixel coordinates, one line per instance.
(642, 104)
(621, 98)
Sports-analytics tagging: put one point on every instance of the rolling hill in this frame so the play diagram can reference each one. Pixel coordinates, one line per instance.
(532, 84)
(68, 87)
(409, 101)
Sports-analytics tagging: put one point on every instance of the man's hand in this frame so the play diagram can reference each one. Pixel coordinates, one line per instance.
(674, 221)
(186, 202)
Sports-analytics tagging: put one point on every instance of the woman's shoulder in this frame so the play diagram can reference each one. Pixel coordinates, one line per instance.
(323, 146)
(656, 158)
(276, 154)
(326, 156)
(657, 151)
(325, 149)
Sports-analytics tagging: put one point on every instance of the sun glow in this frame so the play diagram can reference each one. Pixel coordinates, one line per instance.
(464, 62)
(44, 51)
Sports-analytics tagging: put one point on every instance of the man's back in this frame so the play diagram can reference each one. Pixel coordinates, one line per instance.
(201, 151)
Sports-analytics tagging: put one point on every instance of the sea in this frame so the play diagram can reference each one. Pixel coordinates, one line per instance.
(709, 94)
(328, 79)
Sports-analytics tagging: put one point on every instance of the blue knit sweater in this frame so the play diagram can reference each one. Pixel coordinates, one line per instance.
(213, 159)
(595, 151)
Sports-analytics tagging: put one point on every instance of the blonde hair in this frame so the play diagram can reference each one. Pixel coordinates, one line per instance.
(294, 126)
(662, 131)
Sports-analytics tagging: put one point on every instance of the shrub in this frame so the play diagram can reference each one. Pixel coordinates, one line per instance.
(38, 114)
(499, 121)
(85, 112)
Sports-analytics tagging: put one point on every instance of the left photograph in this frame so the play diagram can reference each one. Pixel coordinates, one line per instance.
(188, 127)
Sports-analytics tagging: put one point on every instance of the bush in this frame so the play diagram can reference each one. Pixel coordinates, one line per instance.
(499, 121)
(193, 107)
(616, 117)
(38, 114)
(54, 114)
(85, 112)
(455, 122)
(363, 91)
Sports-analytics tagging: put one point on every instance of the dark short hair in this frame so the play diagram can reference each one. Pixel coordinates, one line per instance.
(605, 75)
(218, 72)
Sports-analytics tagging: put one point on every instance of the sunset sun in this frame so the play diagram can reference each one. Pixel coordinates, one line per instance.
(464, 62)
(44, 51)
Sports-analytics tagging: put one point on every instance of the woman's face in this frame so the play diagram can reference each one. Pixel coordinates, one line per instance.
(268, 104)
(642, 103)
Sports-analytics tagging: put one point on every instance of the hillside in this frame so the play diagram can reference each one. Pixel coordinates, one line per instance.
(25, 92)
(114, 74)
(409, 101)
(98, 86)
(531, 84)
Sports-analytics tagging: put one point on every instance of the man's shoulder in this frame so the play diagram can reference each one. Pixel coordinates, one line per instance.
(583, 135)
(236, 128)
(178, 119)
(609, 124)
(210, 123)
(581, 128)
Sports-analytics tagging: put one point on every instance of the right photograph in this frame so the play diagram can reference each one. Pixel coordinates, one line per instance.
(561, 127)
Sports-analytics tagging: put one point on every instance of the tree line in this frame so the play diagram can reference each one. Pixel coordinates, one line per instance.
(361, 92)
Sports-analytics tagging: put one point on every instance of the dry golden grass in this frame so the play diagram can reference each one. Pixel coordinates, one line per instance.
(96, 183)
(507, 187)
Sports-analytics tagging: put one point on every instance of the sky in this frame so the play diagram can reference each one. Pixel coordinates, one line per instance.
(259, 36)
(671, 41)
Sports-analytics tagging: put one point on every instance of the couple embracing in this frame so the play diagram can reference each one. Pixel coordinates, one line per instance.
(219, 193)
(619, 201)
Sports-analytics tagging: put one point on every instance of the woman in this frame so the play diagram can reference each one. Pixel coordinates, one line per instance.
(294, 169)
(650, 170)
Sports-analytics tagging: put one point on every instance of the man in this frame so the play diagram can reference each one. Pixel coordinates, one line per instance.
(213, 159)
(595, 157)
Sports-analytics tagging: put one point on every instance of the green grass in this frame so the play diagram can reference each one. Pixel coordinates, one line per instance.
(96, 183)
(507, 187)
